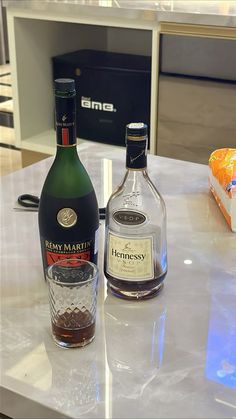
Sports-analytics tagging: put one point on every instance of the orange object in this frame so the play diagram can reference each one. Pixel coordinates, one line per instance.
(222, 163)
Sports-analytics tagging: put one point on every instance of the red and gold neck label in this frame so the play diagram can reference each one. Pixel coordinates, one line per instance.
(65, 136)
(65, 121)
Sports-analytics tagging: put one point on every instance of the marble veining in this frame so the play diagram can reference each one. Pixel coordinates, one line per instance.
(169, 357)
(212, 12)
(224, 7)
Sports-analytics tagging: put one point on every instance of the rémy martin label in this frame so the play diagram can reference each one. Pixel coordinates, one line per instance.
(129, 258)
(57, 251)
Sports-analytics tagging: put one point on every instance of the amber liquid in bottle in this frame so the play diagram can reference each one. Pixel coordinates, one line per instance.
(138, 290)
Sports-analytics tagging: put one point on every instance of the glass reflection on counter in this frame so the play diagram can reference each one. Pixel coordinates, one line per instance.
(221, 345)
(75, 379)
(134, 343)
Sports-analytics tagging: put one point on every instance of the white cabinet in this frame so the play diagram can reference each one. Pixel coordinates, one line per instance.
(40, 30)
(33, 43)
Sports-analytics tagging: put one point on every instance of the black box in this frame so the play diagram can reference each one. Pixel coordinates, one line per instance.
(112, 90)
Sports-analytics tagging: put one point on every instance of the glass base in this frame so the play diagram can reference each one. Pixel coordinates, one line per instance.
(135, 295)
(67, 345)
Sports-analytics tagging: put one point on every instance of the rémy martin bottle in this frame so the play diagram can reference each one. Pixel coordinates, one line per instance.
(135, 261)
(68, 209)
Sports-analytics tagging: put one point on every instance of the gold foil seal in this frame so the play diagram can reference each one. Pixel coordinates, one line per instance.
(67, 217)
(133, 138)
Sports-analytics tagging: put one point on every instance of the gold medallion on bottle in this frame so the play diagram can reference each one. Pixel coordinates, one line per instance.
(67, 217)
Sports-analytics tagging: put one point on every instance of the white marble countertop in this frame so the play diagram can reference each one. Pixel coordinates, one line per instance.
(205, 12)
(169, 357)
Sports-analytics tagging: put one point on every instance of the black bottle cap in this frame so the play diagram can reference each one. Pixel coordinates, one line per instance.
(64, 85)
(136, 130)
(136, 141)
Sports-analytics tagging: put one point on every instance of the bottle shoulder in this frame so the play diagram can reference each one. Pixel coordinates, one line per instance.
(67, 179)
(136, 192)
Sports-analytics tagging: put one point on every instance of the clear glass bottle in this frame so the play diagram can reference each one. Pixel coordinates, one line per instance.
(135, 262)
(68, 209)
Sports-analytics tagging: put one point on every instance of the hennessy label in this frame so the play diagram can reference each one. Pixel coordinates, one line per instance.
(129, 258)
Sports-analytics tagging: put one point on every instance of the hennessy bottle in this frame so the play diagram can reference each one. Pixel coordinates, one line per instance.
(135, 262)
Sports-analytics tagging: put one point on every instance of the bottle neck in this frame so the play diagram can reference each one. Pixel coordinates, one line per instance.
(67, 152)
(136, 154)
(65, 120)
(135, 176)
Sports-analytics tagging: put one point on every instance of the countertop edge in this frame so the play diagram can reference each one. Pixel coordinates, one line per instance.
(147, 16)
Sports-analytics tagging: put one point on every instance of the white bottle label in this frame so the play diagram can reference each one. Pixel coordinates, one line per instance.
(129, 258)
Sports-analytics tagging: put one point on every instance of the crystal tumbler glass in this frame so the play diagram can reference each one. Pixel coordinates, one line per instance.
(73, 301)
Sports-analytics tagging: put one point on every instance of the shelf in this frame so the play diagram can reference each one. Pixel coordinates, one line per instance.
(45, 142)
(33, 43)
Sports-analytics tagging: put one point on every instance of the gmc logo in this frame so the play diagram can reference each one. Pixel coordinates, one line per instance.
(87, 102)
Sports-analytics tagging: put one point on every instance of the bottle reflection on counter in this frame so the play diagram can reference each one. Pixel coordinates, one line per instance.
(134, 342)
(221, 345)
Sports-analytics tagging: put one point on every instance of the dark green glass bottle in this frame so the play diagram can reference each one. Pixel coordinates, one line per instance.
(68, 210)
